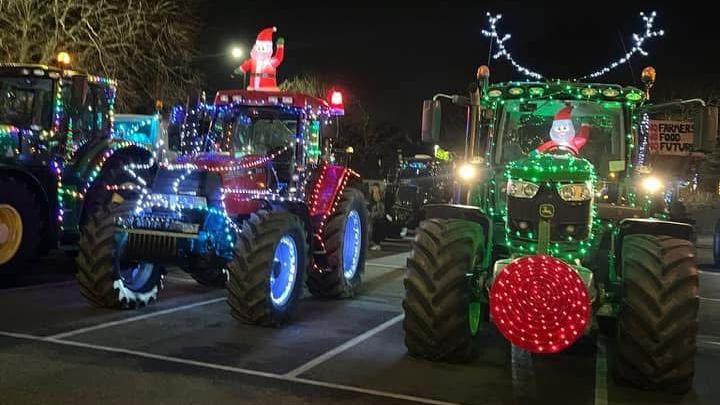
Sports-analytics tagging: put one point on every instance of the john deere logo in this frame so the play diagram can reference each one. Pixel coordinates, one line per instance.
(547, 211)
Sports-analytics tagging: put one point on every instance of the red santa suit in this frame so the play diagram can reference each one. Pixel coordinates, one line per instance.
(562, 133)
(262, 66)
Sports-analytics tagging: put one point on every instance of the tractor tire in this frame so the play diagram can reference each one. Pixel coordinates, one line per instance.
(268, 242)
(18, 205)
(208, 270)
(113, 173)
(346, 264)
(437, 289)
(105, 279)
(658, 319)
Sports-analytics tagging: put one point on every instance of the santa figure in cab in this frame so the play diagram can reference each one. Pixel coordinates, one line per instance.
(262, 65)
(563, 135)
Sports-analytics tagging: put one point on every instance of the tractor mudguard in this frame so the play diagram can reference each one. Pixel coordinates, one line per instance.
(457, 211)
(634, 226)
(32, 181)
(465, 212)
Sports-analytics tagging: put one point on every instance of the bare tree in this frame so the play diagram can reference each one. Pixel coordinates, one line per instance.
(147, 45)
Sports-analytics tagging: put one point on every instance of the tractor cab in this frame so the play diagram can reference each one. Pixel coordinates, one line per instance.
(36, 103)
(263, 143)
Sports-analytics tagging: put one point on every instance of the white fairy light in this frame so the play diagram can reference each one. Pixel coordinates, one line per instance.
(637, 48)
(502, 50)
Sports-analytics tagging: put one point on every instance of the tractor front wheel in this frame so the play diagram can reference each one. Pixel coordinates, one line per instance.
(268, 268)
(658, 320)
(106, 278)
(437, 290)
(346, 239)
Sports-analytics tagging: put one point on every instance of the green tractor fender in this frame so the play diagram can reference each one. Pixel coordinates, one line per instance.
(634, 226)
(90, 165)
(467, 213)
(21, 173)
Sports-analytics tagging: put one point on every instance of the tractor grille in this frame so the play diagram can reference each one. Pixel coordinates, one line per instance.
(143, 244)
(571, 220)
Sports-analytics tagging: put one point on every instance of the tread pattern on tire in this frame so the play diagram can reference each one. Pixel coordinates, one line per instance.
(331, 283)
(249, 282)
(437, 293)
(658, 321)
(98, 278)
(207, 270)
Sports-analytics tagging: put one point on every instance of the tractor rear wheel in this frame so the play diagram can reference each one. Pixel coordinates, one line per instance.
(269, 264)
(21, 219)
(437, 290)
(106, 278)
(208, 270)
(658, 320)
(346, 239)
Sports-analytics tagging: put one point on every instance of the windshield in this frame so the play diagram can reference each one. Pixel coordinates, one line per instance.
(26, 102)
(413, 169)
(591, 130)
(254, 131)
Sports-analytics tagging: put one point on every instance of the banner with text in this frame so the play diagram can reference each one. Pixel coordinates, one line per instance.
(671, 137)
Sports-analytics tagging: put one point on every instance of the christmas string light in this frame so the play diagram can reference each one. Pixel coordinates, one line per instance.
(637, 47)
(502, 50)
(644, 135)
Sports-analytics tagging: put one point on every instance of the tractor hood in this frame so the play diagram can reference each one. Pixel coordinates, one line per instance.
(546, 167)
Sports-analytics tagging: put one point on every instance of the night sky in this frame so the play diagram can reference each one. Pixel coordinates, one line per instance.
(393, 58)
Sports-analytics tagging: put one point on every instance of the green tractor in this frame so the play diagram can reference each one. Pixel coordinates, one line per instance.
(58, 155)
(560, 229)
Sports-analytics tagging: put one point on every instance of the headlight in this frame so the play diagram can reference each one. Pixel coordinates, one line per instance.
(522, 189)
(575, 192)
(467, 172)
(652, 184)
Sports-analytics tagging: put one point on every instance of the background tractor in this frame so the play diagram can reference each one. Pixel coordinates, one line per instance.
(58, 154)
(557, 233)
(258, 196)
(416, 180)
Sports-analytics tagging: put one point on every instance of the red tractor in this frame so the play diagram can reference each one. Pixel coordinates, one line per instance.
(258, 194)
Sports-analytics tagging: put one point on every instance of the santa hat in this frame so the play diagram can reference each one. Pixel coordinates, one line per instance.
(265, 36)
(564, 114)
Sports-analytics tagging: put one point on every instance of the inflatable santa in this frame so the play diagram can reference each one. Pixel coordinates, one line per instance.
(562, 133)
(262, 65)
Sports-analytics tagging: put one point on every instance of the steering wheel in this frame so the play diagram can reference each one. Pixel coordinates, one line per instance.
(563, 149)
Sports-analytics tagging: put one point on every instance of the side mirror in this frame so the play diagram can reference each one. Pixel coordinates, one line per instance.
(79, 91)
(706, 129)
(431, 121)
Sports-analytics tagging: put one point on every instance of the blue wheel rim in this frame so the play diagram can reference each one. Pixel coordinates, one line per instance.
(136, 277)
(284, 271)
(352, 244)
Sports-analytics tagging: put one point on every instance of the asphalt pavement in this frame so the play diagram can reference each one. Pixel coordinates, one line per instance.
(187, 349)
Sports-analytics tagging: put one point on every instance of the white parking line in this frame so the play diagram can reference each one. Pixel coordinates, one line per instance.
(133, 319)
(343, 347)
(230, 369)
(601, 372)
